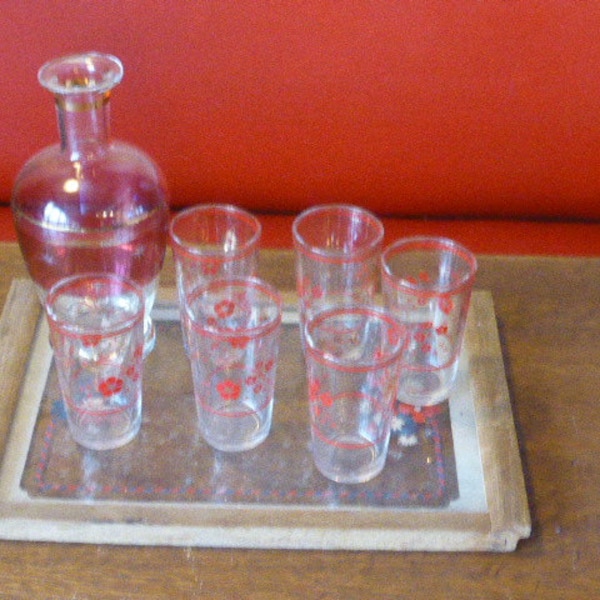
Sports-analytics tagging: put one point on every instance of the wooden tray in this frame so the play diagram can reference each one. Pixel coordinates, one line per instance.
(453, 479)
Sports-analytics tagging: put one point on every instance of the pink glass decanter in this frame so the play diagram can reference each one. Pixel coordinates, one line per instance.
(90, 203)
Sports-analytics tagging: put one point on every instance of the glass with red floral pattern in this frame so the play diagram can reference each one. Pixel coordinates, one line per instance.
(353, 356)
(233, 328)
(337, 257)
(427, 284)
(212, 241)
(96, 324)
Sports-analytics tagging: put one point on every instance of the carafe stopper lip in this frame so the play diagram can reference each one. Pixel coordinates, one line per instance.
(84, 73)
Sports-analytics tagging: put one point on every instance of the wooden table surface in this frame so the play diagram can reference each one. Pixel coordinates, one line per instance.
(548, 312)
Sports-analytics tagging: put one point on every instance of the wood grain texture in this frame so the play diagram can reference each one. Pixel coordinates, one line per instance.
(17, 330)
(547, 310)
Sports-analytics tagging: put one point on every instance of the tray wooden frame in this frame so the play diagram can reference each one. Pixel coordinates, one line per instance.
(504, 521)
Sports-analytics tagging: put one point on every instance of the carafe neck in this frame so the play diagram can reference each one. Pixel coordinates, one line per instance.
(81, 84)
(84, 123)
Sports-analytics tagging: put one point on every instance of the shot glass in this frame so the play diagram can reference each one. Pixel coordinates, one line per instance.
(337, 257)
(427, 284)
(212, 241)
(353, 357)
(233, 330)
(96, 326)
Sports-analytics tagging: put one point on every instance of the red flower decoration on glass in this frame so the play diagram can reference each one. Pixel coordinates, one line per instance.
(315, 395)
(211, 269)
(318, 292)
(314, 388)
(229, 390)
(446, 305)
(224, 308)
(422, 277)
(91, 340)
(326, 399)
(111, 386)
(257, 379)
(240, 342)
(421, 337)
(133, 373)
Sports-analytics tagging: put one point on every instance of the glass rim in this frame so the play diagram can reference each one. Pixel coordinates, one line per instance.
(425, 243)
(73, 329)
(184, 248)
(336, 256)
(84, 73)
(351, 366)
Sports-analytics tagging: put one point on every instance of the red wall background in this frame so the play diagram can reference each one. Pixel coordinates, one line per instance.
(409, 107)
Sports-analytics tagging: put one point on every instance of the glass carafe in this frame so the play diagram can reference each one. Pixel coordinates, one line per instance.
(90, 203)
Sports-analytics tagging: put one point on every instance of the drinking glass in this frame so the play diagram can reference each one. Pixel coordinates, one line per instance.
(427, 284)
(337, 257)
(209, 242)
(97, 335)
(233, 330)
(353, 356)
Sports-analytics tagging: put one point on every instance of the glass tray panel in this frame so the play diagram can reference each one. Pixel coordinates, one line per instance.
(169, 461)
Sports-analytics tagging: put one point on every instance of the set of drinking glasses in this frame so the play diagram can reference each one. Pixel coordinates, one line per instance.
(363, 352)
